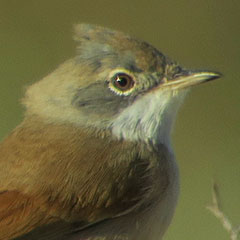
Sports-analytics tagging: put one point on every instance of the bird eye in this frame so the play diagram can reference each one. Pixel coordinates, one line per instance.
(122, 82)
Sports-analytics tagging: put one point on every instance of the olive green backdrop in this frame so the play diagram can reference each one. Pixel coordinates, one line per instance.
(35, 36)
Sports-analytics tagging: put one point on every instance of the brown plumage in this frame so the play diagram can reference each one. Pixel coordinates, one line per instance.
(92, 159)
(63, 172)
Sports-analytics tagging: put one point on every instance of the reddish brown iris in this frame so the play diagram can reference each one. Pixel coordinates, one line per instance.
(123, 82)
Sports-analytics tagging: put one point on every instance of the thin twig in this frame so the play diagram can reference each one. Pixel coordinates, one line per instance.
(217, 211)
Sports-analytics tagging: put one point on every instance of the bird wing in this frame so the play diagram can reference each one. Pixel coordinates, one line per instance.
(33, 218)
(19, 214)
(30, 218)
(54, 181)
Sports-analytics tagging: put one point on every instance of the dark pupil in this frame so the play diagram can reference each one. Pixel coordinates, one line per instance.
(122, 81)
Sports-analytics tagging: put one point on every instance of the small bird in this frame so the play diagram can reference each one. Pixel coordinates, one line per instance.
(92, 159)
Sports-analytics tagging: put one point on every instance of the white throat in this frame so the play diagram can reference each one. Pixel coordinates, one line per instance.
(151, 117)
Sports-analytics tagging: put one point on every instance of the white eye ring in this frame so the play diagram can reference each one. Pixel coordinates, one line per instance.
(121, 82)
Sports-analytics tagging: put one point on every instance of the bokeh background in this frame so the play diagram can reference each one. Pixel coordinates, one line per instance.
(36, 36)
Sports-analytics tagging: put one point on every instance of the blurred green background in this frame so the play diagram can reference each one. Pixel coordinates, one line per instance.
(36, 36)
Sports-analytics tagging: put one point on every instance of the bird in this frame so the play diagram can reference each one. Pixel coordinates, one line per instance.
(92, 158)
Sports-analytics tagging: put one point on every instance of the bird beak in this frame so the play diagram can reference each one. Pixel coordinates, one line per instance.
(190, 78)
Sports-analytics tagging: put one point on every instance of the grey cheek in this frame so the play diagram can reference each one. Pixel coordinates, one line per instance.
(98, 99)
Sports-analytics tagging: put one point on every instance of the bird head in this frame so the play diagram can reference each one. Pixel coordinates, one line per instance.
(116, 83)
